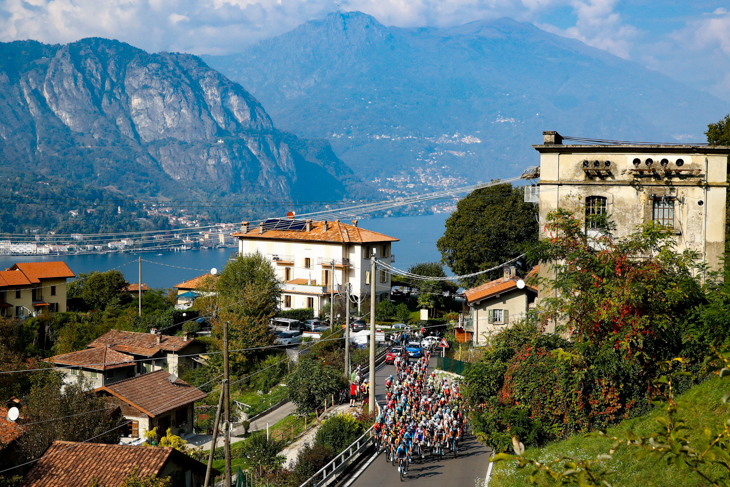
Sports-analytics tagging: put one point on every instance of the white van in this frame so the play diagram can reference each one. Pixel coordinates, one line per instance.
(285, 324)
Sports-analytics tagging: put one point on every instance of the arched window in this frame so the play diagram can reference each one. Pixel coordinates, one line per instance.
(595, 212)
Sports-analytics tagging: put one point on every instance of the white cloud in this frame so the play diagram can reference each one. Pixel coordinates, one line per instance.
(599, 25)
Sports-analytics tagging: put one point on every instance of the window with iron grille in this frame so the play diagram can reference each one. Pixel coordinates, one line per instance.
(664, 212)
(595, 212)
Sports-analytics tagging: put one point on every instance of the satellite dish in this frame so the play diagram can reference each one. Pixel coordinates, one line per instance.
(214, 271)
(520, 284)
(173, 378)
(13, 414)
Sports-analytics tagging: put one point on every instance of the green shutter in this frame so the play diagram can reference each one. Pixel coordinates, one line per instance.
(506, 316)
(490, 316)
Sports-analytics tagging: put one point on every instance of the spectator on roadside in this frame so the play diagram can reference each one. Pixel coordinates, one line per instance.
(353, 394)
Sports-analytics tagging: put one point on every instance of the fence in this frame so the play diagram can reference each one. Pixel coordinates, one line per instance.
(452, 365)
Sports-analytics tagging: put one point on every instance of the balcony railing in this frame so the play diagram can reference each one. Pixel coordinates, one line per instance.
(328, 262)
(311, 288)
(281, 259)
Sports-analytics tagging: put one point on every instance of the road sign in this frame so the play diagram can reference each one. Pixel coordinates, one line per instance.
(443, 343)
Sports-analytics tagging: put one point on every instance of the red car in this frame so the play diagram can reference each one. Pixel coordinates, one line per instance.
(391, 355)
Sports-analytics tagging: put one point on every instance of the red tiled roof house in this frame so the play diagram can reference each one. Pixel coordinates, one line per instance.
(157, 399)
(73, 464)
(30, 288)
(495, 304)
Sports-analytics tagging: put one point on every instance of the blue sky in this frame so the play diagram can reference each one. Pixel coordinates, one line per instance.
(687, 40)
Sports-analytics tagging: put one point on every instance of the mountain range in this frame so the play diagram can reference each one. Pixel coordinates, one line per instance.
(104, 114)
(418, 107)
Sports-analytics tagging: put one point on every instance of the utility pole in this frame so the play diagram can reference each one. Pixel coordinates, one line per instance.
(347, 330)
(215, 439)
(227, 414)
(371, 396)
(139, 291)
(332, 297)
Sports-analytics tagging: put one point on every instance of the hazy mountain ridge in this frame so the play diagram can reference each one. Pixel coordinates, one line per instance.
(105, 113)
(397, 101)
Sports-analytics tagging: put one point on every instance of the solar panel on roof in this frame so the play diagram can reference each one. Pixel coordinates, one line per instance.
(284, 224)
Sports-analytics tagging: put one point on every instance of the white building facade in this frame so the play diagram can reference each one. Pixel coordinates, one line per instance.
(314, 258)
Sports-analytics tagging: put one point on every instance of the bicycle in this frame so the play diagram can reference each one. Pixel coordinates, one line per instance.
(454, 446)
(403, 467)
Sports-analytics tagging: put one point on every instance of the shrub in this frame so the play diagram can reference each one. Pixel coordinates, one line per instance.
(301, 314)
(338, 432)
(384, 310)
(309, 460)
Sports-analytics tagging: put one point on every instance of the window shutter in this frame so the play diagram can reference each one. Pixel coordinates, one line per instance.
(490, 316)
(506, 316)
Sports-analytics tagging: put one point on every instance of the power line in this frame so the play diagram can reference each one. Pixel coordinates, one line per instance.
(410, 275)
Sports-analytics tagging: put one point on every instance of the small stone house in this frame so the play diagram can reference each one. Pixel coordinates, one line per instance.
(74, 464)
(157, 399)
(99, 366)
(496, 304)
(153, 351)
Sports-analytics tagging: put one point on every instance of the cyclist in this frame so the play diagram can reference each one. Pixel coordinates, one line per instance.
(401, 453)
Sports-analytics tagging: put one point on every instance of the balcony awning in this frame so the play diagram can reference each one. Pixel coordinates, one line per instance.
(40, 303)
(6, 305)
(189, 295)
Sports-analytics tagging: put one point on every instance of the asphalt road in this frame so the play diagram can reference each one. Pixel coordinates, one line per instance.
(466, 469)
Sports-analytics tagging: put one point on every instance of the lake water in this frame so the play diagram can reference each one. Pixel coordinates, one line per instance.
(417, 234)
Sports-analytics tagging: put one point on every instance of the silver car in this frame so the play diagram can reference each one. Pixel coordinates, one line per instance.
(288, 338)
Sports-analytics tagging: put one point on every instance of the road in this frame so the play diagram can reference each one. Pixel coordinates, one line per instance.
(464, 470)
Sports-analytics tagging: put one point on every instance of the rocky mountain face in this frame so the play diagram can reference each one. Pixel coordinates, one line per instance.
(442, 106)
(107, 114)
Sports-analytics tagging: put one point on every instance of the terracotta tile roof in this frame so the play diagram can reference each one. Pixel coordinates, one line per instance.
(35, 271)
(13, 278)
(147, 352)
(337, 232)
(301, 281)
(135, 287)
(9, 431)
(121, 339)
(153, 393)
(497, 286)
(67, 464)
(99, 358)
(193, 283)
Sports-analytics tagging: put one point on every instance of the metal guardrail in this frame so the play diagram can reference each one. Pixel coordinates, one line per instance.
(337, 464)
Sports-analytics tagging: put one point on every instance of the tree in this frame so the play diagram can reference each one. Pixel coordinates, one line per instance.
(66, 412)
(430, 292)
(384, 310)
(246, 295)
(402, 313)
(489, 227)
(262, 453)
(103, 289)
(311, 383)
(718, 133)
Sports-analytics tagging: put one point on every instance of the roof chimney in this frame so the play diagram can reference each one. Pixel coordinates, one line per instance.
(308, 226)
(512, 271)
(186, 336)
(244, 227)
(159, 338)
(505, 273)
(153, 331)
(354, 223)
(551, 137)
(261, 227)
(326, 225)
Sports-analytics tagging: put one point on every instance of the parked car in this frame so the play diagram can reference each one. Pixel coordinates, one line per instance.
(414, 350)
(314, 325)
(359, 325)
(288, 338)
(399, 326)
(285, 324)
(391, 355)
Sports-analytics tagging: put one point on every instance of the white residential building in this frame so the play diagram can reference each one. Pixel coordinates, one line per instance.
(312, 256)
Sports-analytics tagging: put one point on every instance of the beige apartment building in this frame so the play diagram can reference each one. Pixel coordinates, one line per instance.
(32, 288)
(315, 258)
(680, 186)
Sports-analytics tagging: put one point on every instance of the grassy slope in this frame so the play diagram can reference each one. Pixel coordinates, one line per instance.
(707, 409)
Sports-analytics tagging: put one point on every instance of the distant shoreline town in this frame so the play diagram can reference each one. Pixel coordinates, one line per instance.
(79, 244)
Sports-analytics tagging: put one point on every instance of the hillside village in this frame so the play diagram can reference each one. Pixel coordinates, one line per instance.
(105, 382)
